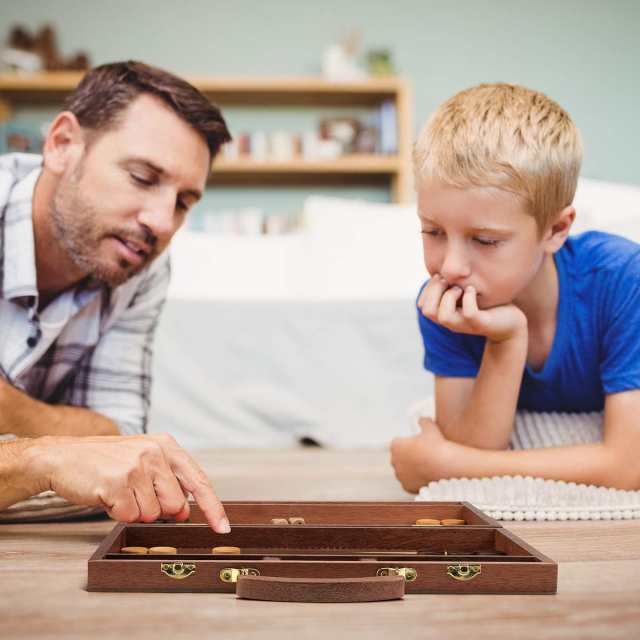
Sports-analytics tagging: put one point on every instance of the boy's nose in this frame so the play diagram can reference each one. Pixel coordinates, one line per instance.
(455, 267)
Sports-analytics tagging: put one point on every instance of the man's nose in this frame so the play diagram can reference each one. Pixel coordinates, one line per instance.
(455, 266)
(159, 218)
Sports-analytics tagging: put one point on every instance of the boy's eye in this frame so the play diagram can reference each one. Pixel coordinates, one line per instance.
(430, 232)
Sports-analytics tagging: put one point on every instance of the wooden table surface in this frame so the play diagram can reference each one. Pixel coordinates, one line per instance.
(44, 570)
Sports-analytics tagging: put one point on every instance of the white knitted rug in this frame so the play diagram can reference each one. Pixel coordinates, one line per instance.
(526, 498)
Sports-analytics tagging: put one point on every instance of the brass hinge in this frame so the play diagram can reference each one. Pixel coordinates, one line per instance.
(464, 571)
(408, 573)
(177, 570)
(232, 575)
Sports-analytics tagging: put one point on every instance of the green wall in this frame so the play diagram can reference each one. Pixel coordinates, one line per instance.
(583, 53)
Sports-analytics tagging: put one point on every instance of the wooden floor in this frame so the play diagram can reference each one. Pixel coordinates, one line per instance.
(44, 568)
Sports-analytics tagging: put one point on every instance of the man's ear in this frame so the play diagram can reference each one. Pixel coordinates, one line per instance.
(557, 233)
(64, 143)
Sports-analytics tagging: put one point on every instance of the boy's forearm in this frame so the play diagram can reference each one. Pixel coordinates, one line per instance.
(29, 418)
(596, 464)
(487, 420)
(19, 476)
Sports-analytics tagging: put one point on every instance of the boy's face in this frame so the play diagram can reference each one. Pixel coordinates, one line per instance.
(124, 195)
(480, 237)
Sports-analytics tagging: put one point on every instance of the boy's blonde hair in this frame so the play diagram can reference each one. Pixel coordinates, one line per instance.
(504, 136)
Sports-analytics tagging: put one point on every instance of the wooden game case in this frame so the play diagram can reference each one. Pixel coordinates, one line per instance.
(338, 551)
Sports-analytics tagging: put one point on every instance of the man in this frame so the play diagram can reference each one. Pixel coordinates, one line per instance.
(83, 276)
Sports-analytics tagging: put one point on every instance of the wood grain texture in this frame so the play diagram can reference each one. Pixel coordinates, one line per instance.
(44, 573)
(320, 590)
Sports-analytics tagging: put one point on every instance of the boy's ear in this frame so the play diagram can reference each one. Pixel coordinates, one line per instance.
(559, 230)
(64, 143)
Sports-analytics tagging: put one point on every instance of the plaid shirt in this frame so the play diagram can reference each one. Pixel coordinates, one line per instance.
(91, 346)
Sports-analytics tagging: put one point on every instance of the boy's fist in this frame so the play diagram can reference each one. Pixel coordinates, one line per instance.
(458, 311)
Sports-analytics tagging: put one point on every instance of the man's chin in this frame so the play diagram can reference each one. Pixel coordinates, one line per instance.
(115, 275)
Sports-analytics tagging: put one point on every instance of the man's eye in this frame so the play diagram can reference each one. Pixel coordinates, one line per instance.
(486, 242)
(141, 180)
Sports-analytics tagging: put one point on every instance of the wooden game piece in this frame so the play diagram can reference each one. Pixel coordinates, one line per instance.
(136, 550)
(279, 521)
(427, 522)
(297, 521)
(164, 550)
(450, 522)
(225, 550)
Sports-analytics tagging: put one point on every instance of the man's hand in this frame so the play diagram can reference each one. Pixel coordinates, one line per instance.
(418, 460)
(135, 478)
(439, 303)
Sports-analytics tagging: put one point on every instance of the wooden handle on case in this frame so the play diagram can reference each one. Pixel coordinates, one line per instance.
(372, 589)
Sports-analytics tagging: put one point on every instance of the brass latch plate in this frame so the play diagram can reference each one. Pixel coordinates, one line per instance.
(408, 573)
(232, 575)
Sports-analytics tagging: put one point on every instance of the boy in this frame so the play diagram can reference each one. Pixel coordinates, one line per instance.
(517, 315)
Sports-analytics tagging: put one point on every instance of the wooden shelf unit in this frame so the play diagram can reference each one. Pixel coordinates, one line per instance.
(394, 170)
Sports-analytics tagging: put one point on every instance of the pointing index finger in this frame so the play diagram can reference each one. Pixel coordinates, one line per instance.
(194, 480)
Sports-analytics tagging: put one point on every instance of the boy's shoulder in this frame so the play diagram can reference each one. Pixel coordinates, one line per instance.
(600, 252)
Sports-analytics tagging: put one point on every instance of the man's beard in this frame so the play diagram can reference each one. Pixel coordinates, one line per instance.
(76, 228)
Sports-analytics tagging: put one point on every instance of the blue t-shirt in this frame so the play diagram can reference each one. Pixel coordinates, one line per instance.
(596, 349)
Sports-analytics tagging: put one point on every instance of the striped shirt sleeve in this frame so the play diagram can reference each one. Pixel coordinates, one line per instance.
(114, 377)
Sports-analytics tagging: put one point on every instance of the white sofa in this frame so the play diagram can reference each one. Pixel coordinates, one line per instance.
(267, 340)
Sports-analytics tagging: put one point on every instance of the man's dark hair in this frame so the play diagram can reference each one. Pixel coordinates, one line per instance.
(106, 91)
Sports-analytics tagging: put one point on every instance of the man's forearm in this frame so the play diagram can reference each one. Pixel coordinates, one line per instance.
(487, 420)
(18, 478)
(29, 418)
(597, 464)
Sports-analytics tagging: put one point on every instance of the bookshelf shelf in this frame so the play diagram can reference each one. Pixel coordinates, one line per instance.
(395, 170)
(347, 164)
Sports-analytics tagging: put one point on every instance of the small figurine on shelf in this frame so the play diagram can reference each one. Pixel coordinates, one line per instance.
(339, 60)
(24, 49)
(379, 62)
(344, 130)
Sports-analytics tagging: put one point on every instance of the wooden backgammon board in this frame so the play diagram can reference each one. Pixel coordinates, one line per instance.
(324, 552)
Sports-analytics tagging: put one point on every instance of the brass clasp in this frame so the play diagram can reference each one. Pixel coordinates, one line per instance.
(177, 570)
(464, 572)
(408, 573)
(232, 575)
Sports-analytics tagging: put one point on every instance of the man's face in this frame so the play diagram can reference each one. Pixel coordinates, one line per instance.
(480, 237)
(118, 207)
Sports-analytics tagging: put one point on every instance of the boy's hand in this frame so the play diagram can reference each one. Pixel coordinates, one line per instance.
(418, 460)
(440, 303)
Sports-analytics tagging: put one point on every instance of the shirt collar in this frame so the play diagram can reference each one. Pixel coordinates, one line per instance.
(19, 266)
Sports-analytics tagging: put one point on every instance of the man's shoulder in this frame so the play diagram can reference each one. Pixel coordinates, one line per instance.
(15, 166)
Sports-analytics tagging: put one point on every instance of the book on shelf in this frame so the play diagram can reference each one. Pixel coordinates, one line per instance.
(388, 127)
